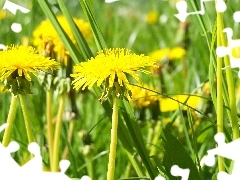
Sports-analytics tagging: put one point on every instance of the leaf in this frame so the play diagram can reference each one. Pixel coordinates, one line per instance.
(175, 154)
(137, 137)
(82, 44)
(100, 42)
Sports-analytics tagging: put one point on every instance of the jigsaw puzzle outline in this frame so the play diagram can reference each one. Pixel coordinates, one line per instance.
(182, 9)
(32, 169)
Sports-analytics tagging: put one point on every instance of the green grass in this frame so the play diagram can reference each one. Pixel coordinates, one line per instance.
(123, 24)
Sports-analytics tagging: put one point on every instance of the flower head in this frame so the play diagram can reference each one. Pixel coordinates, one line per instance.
(166, 54)
(111, 66)
(2, 14)
(177, 53)
(152, 17)
(142, 97)
(48, 41)
(170, 54)
(167, 104)
(23, 60)
(160, 54)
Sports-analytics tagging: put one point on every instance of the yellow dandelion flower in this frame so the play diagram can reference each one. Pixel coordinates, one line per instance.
(47, 40)
(142, 97)
(2, 14)
(160, 54)
(24, 61)
(176, 53)
(152, 17)
(167, 104)
(111, 65)
(170, 54)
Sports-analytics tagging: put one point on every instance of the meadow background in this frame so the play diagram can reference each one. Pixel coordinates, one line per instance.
(175, 124)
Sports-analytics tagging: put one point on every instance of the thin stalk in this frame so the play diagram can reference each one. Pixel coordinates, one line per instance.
(49, 125)
(90, 167)
(230, 85)
(70, 134)
(26, 119)
(113, 143)
(56, 142)
(135, 164)
(157, 133)
(10, 119)
(127, 171)
(219, 90)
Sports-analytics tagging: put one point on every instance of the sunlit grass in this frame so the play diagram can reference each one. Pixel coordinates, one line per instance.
(178, 96)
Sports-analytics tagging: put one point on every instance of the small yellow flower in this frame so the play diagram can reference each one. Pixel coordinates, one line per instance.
(160, 54)
(2, 14)
(170, 54)
(167, 104)
(152, 17)
(111, 66)
(23, 60)
(142, 97)
(176, 53)
(48, 41)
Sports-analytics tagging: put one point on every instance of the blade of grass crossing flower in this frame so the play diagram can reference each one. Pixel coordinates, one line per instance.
(73, 51)
(136, 135)
(83, 46)
(100, 42)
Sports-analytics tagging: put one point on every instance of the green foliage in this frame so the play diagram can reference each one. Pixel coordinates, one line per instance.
(175, 154)
(186, 132)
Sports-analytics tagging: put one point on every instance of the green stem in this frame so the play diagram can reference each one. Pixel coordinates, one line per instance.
(26, 118)
(113, 144)
(219, 89)
(70, 134)
(90, 167)
(157, 133)
(56, 142)
(135, 164)
(10, 119)
(49, 125)
(231, 89)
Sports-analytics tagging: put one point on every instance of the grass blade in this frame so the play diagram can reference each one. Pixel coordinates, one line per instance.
(136, 135)
(100, 42)
(73, 51)
(83, 46)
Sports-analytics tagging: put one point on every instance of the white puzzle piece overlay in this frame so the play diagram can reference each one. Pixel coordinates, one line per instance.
(182, 9)
(226, 150)
(9, 168)
(222, 51)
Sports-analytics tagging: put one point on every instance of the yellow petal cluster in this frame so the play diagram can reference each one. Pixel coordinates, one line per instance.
(2, 14)
(167, 104)
(46, 39)
(152, 17)
(142, 97)
(170, 54)
(112, 64)
(25, 61)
